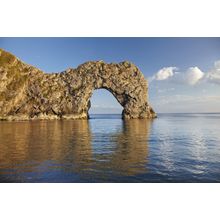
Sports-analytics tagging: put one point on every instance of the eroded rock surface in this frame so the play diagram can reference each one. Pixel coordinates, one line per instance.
(28, 93)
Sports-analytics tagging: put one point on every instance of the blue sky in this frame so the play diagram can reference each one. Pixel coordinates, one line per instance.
(183, 73)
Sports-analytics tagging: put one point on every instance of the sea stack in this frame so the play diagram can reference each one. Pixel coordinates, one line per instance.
(27, 93)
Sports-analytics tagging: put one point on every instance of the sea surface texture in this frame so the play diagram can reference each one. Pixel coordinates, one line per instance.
(171, 148)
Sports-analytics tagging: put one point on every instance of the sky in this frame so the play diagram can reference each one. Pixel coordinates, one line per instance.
(183, 73)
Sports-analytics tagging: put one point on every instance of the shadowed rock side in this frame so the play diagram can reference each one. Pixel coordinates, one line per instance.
(28, 93)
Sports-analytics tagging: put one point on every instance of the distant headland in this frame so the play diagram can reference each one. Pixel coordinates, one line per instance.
(28, 93)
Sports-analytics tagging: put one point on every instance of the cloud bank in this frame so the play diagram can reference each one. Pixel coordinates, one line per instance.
(192, 76)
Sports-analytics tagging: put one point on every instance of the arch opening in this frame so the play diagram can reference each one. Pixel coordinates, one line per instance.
(102, 101)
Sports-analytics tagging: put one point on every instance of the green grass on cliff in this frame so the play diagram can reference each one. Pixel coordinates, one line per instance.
(15, 75)
(6, 58)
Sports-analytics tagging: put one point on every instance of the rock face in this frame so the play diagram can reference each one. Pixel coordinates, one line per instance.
(28, 93)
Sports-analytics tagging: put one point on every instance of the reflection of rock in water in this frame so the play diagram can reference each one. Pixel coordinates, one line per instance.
(14, 143)
(66, 146)
(131, 152)
(79, 147)
(44, 141)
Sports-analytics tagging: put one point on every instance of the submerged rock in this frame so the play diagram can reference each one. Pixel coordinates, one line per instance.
(28, 93)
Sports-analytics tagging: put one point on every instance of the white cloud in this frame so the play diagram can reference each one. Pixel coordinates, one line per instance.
(165, 73)
(194, 90)
(193, 75)
(213, 75)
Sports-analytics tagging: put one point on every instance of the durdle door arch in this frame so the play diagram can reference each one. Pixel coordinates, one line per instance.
(66, 95)
(126, 83)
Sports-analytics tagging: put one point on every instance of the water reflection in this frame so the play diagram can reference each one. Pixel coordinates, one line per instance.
(41, 147)
(131, 151)
(181, 149)
(29, 144)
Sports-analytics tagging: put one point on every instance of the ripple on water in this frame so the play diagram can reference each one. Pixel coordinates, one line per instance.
(172, 148)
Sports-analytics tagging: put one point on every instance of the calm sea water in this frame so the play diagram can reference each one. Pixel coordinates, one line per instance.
(171, 148)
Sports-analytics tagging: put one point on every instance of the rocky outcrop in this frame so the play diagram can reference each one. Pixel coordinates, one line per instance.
(28, 93)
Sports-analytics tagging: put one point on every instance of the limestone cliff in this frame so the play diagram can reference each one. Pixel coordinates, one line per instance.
(28, 93)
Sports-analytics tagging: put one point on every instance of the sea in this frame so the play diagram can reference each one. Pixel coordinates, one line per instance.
(173, 148)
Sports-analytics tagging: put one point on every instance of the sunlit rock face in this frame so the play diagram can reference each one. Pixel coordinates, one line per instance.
(28, 93)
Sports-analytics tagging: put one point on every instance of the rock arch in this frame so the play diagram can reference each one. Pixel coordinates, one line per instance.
(124, 80)
(28, 93)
